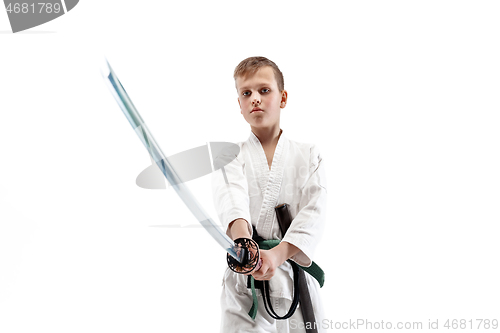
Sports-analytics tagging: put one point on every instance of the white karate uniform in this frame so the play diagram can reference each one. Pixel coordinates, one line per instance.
(297, 178)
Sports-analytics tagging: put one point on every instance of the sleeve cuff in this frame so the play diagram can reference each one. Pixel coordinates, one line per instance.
(231, 220)
(303, 257)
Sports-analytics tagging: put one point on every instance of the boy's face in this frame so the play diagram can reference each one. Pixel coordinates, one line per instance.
(260, 99)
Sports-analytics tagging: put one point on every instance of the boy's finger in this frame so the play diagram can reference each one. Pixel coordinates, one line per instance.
(259, 265)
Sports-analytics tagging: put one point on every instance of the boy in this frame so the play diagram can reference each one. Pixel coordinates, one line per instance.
(269, 170)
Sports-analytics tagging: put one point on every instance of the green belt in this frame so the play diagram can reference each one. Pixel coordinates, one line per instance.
(314, 270)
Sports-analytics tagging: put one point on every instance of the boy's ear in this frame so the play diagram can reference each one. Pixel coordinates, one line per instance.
(241, 111)
(284, 98)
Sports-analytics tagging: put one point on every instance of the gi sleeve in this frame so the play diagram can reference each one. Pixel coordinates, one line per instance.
(230, 190)
(307, 227)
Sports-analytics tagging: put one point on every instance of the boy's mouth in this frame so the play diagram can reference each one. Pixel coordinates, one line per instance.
(256, 110)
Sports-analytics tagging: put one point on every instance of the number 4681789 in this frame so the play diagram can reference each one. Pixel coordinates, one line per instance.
(469, 324)
(40, 7)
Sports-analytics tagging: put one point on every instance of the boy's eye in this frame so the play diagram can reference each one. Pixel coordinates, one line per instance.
(246, 93)
(265, 90)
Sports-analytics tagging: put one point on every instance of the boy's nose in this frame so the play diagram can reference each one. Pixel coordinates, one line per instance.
(256, 101)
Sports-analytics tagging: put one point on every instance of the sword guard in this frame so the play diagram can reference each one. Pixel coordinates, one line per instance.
(250, 254)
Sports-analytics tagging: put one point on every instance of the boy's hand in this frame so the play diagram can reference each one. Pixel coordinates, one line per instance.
(273, 258)
(270, 260)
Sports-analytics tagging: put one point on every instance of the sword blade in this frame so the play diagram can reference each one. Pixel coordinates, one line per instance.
(167, 169)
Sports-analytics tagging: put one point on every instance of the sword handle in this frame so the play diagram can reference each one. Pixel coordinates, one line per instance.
(250, 256)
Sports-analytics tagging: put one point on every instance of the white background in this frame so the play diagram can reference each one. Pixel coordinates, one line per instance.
(402, 98)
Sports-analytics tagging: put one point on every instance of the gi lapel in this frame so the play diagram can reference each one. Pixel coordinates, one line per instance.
(269, 181)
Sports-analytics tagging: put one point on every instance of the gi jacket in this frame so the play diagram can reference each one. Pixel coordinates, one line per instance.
(296, 177)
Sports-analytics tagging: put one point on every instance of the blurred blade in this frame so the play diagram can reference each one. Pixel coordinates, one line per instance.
(163, 163)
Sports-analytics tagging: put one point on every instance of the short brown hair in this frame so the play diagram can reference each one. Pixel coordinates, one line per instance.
(253, 64)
